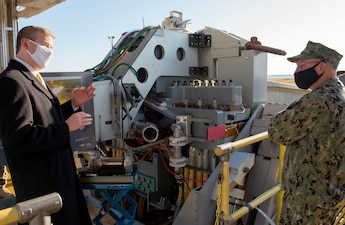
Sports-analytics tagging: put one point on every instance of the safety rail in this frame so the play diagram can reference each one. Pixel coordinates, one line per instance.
(36, 210)
(224, 151)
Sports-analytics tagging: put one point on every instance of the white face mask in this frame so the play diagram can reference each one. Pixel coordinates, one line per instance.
(42, 54)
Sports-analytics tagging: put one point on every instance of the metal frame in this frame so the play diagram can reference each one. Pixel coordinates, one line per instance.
(8, 23)
(113, 193)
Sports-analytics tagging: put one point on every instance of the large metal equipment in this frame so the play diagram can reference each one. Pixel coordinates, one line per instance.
(167, 93)
(165, 98)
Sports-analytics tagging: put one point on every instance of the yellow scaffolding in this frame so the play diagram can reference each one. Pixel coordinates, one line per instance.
(38, 208)
(224, 151)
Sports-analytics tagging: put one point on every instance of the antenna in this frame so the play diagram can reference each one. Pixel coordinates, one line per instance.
(111, 38)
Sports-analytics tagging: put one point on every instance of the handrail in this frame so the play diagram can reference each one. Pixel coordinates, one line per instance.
(230, 147)
(30, 209)
(225, 150)
(9, 215)
(254, 203)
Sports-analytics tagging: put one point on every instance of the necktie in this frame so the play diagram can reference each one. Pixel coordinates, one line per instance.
(40, 79)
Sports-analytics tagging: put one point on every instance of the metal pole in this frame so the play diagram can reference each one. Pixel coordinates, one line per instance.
(111, 42)
(282, 149)
(225, 150)
(41, 219)
(37, 210)
(253, 204)
(225, 188)
(232, 146)
(9, 215)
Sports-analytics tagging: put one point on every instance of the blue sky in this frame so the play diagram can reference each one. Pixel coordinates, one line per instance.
(82, 27)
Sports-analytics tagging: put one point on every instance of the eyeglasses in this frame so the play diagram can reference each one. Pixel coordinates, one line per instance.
(38, 44)
(302, 64)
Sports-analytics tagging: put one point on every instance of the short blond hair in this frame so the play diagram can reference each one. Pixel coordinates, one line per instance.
(30, 33)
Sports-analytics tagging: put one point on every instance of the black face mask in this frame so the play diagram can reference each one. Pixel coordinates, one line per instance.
(304, 79)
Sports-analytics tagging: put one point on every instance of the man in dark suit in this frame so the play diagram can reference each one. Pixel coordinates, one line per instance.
(34, 132)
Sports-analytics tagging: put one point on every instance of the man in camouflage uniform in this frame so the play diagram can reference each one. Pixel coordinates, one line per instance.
(313, 129)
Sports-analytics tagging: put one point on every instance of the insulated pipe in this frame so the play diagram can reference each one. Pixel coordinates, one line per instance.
(254, 44)
(28, 210)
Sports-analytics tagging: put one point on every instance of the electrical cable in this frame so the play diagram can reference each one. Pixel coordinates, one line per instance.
(110, 61)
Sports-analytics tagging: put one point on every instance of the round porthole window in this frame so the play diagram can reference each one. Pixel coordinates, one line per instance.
(159, 52)
(142, 75)
(180, 53)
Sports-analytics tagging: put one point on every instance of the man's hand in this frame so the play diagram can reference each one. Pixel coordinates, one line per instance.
(78, 120)
(82, 95)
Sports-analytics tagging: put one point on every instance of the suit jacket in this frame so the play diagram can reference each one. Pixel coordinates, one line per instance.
(37, 144)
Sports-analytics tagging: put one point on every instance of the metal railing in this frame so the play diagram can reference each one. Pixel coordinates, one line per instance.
(224, 151)
(36, 210)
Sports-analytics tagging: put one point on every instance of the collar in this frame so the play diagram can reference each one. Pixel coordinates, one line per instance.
(331, 83)
(30, 68)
